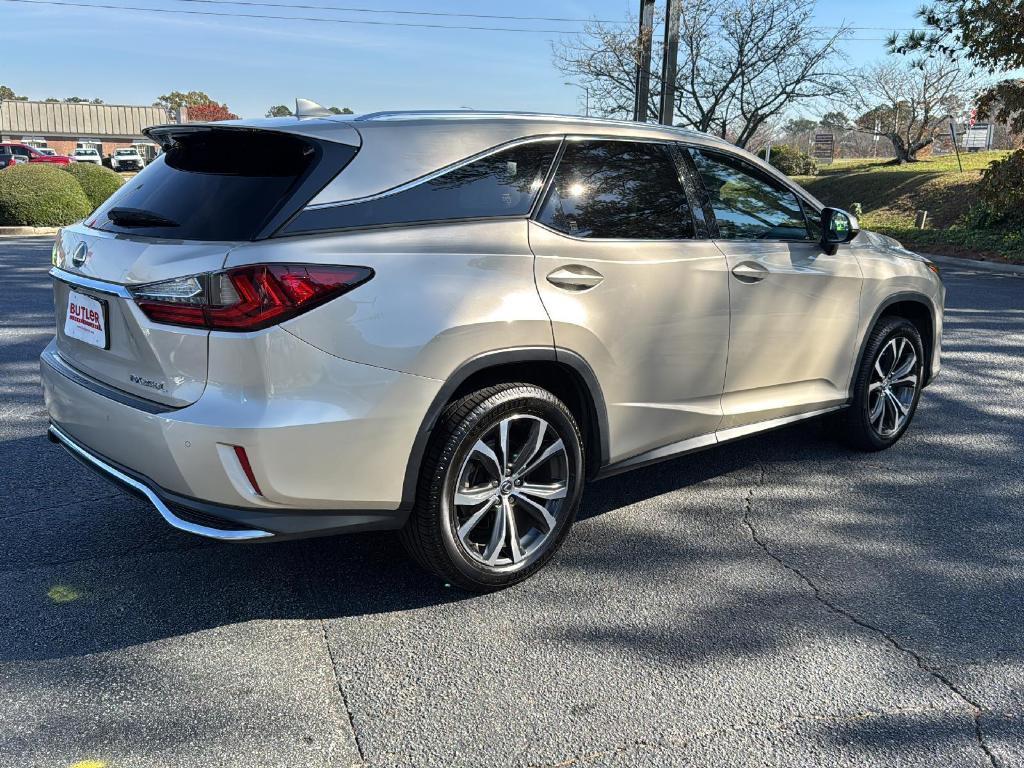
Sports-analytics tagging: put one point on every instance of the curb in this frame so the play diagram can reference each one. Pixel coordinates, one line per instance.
(27, 231)
(977, 266)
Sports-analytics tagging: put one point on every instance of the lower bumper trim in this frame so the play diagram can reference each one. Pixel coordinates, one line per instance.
(83, 454)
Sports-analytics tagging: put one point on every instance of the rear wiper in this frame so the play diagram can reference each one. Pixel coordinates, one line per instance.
(136, 217)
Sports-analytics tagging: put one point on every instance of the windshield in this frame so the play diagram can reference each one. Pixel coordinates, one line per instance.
(125, 152)
(85, 151)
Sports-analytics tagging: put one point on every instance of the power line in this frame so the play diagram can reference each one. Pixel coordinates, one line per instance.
(447, 14)
(452, 14)
(373, 22)
(68, 3)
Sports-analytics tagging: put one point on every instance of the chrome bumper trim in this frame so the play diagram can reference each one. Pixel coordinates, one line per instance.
(173, 520)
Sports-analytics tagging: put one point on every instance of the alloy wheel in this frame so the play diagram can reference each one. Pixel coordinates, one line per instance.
(894, 381)
(510, 491)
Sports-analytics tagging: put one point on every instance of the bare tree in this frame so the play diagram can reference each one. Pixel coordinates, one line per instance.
(742, 63)
(912, 100)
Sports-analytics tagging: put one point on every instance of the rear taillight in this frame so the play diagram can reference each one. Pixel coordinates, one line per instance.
(246, 298)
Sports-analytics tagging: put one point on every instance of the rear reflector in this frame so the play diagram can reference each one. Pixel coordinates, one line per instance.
(243, 459)
(246, 298)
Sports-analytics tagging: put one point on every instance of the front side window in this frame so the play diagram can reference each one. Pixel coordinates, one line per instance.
(505, 183)
(618, 189)
(749, 204)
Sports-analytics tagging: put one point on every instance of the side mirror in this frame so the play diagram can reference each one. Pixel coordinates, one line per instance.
(837, 226)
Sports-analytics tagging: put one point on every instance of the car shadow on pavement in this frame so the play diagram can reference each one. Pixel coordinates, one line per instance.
(87, 567)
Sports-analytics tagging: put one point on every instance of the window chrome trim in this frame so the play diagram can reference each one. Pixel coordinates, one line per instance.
(435, 174)
(80, 281)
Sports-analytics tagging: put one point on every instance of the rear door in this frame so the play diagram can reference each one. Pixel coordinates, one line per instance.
(795, 309)
(630, 288)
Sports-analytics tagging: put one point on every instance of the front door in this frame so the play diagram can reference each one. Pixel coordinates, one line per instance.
(795, 309)
(630, 289)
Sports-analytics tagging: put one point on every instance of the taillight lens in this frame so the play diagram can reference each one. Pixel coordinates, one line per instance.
(246, 298)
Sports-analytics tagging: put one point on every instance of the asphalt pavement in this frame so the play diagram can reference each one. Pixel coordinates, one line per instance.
(779, 601)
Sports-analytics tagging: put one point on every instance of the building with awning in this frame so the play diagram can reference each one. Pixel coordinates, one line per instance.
(66, 127)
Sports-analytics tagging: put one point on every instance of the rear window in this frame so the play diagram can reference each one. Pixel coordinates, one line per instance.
(219, 184)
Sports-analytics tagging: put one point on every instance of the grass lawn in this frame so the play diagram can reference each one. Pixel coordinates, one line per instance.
(891, 195)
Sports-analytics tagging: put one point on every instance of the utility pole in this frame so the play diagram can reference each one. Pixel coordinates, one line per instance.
(670, 54)
(643, 69)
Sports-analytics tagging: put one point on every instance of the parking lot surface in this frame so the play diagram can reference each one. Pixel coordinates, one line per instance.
(780, 601)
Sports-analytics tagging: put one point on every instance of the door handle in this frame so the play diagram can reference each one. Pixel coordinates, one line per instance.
(750, 272)
(575, 277)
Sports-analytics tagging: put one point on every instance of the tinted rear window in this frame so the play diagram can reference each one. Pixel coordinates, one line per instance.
(505, 183)
(215, 184)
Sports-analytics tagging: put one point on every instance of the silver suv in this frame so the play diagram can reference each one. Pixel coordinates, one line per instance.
(445, 323)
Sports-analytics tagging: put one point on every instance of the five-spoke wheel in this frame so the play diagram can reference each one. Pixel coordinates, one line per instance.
(893, 386)
(499, 488)
(886, 387)
(510, 490)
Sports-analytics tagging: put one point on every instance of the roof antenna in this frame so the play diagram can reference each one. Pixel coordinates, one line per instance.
(307, 108)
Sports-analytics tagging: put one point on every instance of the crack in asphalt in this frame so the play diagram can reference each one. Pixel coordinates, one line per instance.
(976, 709)
(334, 668)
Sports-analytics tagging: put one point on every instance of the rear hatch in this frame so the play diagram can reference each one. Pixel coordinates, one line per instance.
(212, 189)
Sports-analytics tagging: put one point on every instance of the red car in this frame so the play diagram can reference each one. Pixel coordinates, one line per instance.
(34, 155)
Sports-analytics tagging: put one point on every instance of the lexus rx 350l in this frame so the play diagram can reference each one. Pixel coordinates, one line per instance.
(444, 324)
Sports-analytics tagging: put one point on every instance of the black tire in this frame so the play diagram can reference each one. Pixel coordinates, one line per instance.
(857, 427)
(431, 535)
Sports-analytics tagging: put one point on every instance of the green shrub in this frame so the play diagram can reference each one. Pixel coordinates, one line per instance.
(793, 162)
(97, 182)
(40, 195)
(1000, 193)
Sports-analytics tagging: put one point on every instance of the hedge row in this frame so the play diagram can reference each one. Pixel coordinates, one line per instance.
(45, 195)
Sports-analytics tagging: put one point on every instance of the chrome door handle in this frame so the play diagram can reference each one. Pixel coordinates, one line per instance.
(750, 272)
(575, 277)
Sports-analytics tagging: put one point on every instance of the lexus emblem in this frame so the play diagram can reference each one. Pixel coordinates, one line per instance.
(79, 255)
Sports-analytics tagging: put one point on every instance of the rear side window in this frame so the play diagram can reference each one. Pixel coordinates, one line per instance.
(749, 204)
(502, 184)
(618, 189)
(216, 184)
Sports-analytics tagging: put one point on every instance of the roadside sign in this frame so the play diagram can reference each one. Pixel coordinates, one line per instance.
(978, 137)
(824, 147)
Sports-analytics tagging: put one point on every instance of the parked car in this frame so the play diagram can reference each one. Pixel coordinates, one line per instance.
(33, 155)
(8, 158)
(87, 155)
(446, 323)
(47, 151)
(127, 159)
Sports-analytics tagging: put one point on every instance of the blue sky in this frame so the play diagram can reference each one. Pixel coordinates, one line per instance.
(127, 57)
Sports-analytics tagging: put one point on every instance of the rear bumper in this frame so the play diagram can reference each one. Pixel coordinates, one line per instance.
(327, 440)
(221, 522)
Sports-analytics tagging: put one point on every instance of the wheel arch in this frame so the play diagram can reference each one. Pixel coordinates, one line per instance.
(916, 307)
(565, 374)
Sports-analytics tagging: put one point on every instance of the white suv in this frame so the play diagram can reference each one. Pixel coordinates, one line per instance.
(127, 159)
(87, 155)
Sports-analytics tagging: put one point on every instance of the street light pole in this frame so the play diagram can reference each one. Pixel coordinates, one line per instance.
(586, 96)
